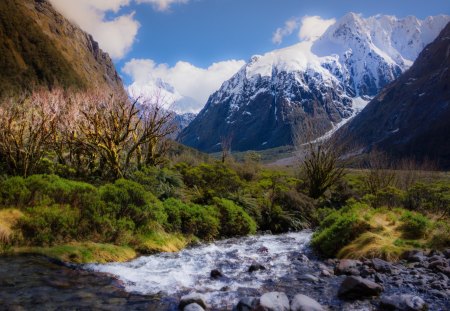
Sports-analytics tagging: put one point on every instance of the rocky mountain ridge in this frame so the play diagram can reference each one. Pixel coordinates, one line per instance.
(306, 90)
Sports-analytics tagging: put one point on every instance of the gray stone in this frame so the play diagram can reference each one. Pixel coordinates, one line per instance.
(381, 266)
(309, 277)
(354, 287)
(193, 307)
(403, 303)
(273, 301)
(256, 267)
(305, 303)
(193, 298)
(347, 267)
(246, 304)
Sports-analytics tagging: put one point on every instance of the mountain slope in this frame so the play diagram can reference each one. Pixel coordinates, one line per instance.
(40, 48)
(310, 88)
(411, 116)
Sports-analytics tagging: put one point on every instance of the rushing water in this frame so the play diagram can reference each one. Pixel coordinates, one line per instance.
(174, 274)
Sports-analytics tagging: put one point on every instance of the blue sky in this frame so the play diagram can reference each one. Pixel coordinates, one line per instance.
(197, 44)
(206, 31)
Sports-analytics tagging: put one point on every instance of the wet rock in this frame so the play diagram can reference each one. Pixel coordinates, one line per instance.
(366, 271)
(354, 287)
(309, 277)
(446, 253)
(215, 274)
(403, 303)
(303, 258)
(305, 303)
(263, 250)
(256, 267)
(191, 299)
(246, 304)
(326, 272)
(347, 267)
(414, 256)
(381, 266)
(193, 307)
(273, 301)
(438, 293)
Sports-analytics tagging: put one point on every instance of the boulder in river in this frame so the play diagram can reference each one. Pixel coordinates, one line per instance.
(191, 299)
(354, 287)
(215, 274)
(381, 266)
(273, 301)
(347, 267)
(403, 303)
(305, 303)
(256, 267)
(246, 304)
(193, 307)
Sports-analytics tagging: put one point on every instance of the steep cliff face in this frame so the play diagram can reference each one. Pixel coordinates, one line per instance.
(410, 117)
(310, 88)
(41, 48)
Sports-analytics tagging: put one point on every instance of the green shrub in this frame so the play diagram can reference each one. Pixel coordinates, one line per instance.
(340, 228)
(162, 182)
(388, 197)
(192, 219)
(48, 225)
(233, 219)
(414, 225)
(440, 238)
(14, 192)
(126, 199)
(212, 180)
(434, 198)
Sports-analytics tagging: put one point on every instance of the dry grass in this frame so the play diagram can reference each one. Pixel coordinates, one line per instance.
(8, 219)
(159, 241)
(384, 241)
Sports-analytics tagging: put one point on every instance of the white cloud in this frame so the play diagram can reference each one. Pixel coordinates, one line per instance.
(312, 27)
(162, 5)
(187, 80)
(288, 28)
(115, 36)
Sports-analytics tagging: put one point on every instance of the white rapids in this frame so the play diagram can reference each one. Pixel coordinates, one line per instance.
(174, 274)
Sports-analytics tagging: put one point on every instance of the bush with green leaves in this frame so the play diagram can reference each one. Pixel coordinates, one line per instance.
(431, 198)
(127, 199)
(14, 192)
(162, 182)
(48, 225)
(212, 180)
(387, 197)
(192, 219)
(340, 228)
(234, 221)
(414, 225)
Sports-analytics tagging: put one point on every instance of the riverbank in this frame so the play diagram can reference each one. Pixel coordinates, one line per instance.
(280, 263)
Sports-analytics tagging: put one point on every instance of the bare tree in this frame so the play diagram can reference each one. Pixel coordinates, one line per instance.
(27, 127)
(380, 173)
(225, 144)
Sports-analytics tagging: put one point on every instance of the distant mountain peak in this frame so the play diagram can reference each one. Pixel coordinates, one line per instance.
(312, 85)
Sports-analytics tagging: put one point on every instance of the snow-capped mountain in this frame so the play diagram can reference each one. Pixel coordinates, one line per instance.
(410, 117)
(164, 94)
(307, 89)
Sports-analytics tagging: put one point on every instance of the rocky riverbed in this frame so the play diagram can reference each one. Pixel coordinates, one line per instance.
(261, 273)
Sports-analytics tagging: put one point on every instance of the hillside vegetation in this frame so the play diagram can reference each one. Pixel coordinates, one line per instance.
(92, 177)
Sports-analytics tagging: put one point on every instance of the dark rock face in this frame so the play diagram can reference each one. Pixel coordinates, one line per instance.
(410, 117)
(269, 118)
(45, 50)
(356, 288)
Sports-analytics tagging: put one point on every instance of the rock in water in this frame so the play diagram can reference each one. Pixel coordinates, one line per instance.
(246, 304)
(193, 307)
(255, 267)
(273, 301)
(191, 299)
(215, 274)
(305, 303)
(356, 287)
(403, 303)
(347, 267)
